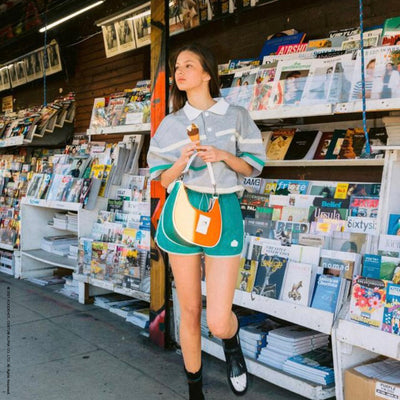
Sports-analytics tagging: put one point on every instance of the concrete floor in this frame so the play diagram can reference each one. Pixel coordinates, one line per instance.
(63, 350)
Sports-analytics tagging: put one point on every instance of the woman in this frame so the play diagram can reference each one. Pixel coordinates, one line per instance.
(231, 142)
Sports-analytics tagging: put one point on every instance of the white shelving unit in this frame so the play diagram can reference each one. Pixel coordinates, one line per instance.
(107, 286)
(312, 318)
(120, 129)
(327, 163)
(354, 343)
(35, 214)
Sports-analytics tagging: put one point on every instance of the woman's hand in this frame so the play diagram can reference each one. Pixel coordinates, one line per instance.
(186, 152)
(211, 154)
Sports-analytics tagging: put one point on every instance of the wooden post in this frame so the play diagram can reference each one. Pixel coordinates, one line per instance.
(159, 101)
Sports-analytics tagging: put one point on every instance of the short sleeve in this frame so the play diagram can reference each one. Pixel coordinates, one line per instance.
(159, 158)
(249, 143)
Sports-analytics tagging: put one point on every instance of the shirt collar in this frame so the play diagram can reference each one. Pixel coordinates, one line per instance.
(220, 108)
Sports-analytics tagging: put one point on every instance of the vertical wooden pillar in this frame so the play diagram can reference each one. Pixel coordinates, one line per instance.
(159, 101)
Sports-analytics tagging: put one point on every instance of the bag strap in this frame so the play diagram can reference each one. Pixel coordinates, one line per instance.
(209, 168)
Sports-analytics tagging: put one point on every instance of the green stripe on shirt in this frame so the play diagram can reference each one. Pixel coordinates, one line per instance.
(158, 167)
(254, 158)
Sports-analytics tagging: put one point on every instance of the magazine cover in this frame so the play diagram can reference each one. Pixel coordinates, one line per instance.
(382, 77)
(291, 77)
(391, 312)
(242, 87)
(367, 301)
(320, 85)
(34, 185)
(75, 190)
(297, 284)
(263, 87)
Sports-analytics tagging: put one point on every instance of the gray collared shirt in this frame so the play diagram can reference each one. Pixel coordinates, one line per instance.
(224, 126)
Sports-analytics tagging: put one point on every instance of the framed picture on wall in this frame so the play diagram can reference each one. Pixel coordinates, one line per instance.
(110, 40)
(142, 23)
(33, 66)
(5, 78)
(54, 60)
(20, 71)
(125, 35)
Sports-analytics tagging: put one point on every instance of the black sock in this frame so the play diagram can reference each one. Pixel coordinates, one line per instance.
(233, 342)
(195, 381)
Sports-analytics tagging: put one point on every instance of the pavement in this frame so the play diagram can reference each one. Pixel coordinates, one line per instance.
(57, 349)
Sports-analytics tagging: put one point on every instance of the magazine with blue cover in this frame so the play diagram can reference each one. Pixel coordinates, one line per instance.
(326, 293)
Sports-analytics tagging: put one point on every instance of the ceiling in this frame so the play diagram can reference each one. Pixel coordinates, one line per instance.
(20, 21)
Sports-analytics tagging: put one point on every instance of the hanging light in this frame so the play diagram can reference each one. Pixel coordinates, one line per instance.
(70, 16)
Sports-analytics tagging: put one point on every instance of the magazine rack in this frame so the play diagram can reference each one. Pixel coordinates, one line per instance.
(35, 213)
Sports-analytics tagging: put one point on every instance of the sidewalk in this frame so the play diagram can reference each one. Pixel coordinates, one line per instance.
(63, 350)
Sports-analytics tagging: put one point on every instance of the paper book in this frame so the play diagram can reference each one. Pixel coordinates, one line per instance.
(97, 171)
(371, 266)
(271, 45)
(323, 145)
(391, 31)
(364, 206)
(394, 225)
(297, 283)
(270, 274)
(34, 185)
(246, 275)
(279, 144)
(263, 87)
(288, 186)
(391, 312)
(242, 88)
(294, 333)
(367, 301)
(390, 269)
(326, 293)
(322, 189)
(381, 79)
(289, 82)
(302, 145)
(340, 263)
(335, 144)
(75, 190)
(44, 186)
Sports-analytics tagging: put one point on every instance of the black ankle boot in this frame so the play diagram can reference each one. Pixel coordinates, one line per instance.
(236, 367)
(195, 382)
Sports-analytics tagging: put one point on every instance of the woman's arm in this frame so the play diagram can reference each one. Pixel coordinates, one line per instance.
(212, 154)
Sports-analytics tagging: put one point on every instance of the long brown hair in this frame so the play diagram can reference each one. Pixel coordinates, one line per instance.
(209, 64)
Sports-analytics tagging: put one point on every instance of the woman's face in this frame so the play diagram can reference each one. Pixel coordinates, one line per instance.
(371, 68)
(189, 73)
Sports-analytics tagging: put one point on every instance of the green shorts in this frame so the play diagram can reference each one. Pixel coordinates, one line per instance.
(231, 242)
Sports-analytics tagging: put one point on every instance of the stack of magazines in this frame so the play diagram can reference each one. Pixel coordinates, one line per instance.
(289, 341)
(58, 244)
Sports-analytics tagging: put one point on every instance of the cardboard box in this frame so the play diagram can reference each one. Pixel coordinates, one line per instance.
(360, 387)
